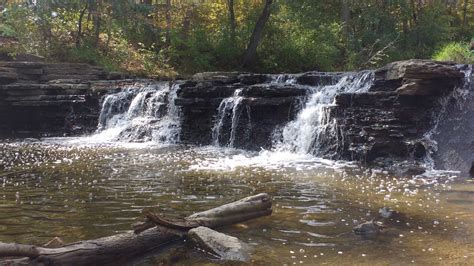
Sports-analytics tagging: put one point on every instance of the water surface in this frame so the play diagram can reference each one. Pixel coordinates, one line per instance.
(74, 190)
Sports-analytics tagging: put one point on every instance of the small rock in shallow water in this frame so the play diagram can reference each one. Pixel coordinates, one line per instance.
(224, 246)
(385, 212)
(370, 228)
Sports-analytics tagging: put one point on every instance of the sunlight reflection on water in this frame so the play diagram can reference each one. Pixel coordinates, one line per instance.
(69, 188)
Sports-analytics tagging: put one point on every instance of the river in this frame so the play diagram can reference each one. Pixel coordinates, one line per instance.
(76, 190)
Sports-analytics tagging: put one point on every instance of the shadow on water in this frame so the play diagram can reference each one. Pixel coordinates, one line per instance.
(53, 188)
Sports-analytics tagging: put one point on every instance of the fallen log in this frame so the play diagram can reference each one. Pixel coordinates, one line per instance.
(130, 244)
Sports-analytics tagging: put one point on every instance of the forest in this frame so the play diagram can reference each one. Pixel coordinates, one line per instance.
(164, 38)
(236, 132)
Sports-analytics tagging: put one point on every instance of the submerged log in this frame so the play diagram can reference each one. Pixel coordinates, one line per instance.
(128, 245)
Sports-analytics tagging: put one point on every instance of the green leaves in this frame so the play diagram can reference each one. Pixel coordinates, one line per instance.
(300, 35)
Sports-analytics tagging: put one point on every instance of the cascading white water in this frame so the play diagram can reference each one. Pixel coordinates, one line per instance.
(313, 125)
(231, 104)
(459, 95)
(146, 113)
(283, 79)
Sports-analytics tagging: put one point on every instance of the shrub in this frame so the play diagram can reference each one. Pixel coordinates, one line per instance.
(456, 52)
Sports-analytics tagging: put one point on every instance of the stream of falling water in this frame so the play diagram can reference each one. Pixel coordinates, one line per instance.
(313, 125)
(146, 113)
(459, 95)
(232, 105)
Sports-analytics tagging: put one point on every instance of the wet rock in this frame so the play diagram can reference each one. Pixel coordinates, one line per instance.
(418, 69)
(392, 217)
(418, 77)
(251, 79)
(272, 91)
(368, 229)
(225, 77)
(206, 92)
(315, 78)
(219, 244)
(264, 108)
(39, 98)
(7, 75)
(406, 169)
(389, 120)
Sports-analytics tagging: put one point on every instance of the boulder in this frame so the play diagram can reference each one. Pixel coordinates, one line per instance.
(270, 91)
(418, 69)
(218, 244)
(225, 76)
(8, 75)
(251, 79)
(418, 77)
(368, 229)
(318, 78)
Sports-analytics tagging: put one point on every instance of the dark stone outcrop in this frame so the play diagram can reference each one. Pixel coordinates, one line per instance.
(38, 98)
(454, 134)
(264, 107)
(317, 78)
(417, 77)
(391, 120)
(386, 124)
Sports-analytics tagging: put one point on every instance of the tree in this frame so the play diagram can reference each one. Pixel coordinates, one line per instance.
(168, 22)
(79, 26)
(346, 16)
(250, 54)
(232, 23)
(464, 17)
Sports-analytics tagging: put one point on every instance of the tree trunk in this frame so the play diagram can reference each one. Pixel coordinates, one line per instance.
(79, 27)
(413, 10)
(232, 23)
(464, 18)
(187, 22)
(97, 22)
(345, 16)
(168, 22)
(128, 245)
(250, 54)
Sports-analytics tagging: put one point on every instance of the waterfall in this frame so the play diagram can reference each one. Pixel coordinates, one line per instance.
(313, 127)
(141, 113)
(228, 106)
(283, 79)
(458, 96)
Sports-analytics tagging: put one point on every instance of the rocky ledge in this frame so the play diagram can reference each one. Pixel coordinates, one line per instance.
(394, 121)
(394, 118)
(38, 98)
(411, 110)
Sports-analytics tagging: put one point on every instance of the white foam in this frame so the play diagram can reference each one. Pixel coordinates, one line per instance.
(233, 159)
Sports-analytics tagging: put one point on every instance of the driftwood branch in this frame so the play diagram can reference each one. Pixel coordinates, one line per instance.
(154, 233)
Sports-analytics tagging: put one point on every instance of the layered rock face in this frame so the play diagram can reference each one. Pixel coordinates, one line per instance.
(393, 119)
(403, 111)
(38, 98)
(242, 110)
(454, 134)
